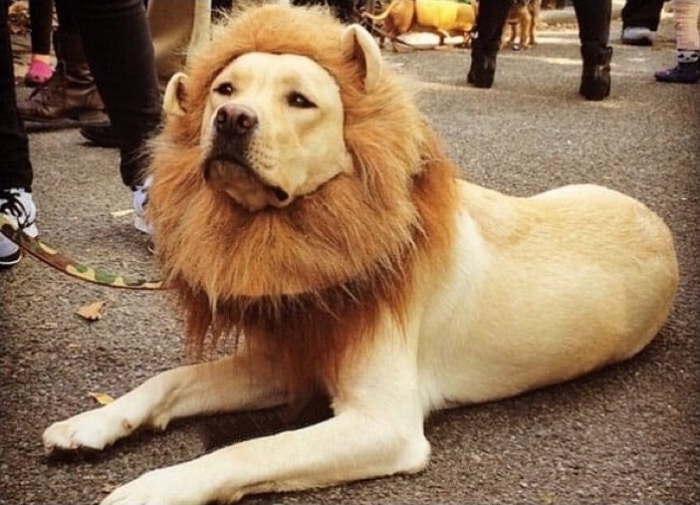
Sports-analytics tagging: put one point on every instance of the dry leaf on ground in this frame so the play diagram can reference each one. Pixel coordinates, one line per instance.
(122, 213)
(101, 398)
(91, 312)
(108, 487)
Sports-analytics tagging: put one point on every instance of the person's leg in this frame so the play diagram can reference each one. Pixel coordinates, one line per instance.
(177, 26)
(120, 51)
(640, 20)
(686, 15)
(15, 166)
(40, 18)
(490, 19)
(16, 174)
(593, 18)
(642, 14)
(70, 93)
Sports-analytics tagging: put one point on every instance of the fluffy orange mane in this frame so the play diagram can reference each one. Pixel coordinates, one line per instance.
(308, 280)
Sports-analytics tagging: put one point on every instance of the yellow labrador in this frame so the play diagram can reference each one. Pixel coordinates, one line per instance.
(351, 259)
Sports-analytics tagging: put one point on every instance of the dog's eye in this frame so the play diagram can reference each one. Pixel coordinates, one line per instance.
(225, 88)
(298, 100)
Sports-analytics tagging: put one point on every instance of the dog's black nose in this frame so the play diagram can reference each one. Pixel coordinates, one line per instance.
(235, 119)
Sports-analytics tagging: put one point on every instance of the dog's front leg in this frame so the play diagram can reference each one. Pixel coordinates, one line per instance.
(232, 383)
(377, 430)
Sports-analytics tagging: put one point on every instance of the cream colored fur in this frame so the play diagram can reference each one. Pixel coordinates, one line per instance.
(534, 291)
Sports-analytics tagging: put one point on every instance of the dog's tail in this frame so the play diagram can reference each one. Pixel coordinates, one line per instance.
(383, 15)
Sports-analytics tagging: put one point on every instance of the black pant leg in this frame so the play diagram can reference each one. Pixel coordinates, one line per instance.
(15, 166)
(40, 18)
(642, 14)
(593, 18)
(490, 19)
(65, 12)
(119, 48)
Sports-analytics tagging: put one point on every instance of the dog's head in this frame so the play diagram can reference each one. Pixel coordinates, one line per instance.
(272, 130)
(295, 184)
(288, 159)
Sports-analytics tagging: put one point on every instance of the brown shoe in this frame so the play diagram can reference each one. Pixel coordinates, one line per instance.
(71, 92)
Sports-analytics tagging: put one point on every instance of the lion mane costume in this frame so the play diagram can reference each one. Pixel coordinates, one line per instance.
(308, 280)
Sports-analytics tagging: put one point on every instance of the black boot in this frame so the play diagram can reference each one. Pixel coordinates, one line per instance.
(483, 66)
(595, 80)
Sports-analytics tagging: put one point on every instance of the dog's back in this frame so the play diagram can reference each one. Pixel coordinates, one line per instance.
(545, 289)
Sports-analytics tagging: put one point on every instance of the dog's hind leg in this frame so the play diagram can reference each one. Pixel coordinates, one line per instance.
(228, 384)
(524, 29)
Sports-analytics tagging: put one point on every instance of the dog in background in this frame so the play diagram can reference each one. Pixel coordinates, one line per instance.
(521, 23)
(445, 18)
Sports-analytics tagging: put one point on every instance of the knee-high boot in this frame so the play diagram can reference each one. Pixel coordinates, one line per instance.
(595, 79)
(482, 69)
(489, 27)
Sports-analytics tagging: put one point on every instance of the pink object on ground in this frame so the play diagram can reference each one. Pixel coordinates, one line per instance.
(38, 73)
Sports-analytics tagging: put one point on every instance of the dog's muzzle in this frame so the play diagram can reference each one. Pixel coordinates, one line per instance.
(235, 120)
(227, 162)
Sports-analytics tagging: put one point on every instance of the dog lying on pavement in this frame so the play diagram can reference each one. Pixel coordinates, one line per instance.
(360, 268)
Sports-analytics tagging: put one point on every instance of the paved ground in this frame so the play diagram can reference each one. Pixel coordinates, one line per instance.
(628, 434)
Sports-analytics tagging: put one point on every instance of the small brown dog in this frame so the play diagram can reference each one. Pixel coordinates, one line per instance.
(522, 21)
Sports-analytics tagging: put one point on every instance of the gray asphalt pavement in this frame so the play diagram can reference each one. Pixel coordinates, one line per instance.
(629, 434)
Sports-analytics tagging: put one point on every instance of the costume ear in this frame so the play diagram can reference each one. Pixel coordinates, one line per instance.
(174, 93)
(360, 45)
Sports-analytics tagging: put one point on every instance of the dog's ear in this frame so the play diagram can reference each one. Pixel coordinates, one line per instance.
(360, 45)
(174, 94)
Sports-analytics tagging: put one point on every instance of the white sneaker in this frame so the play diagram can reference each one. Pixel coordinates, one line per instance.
(638, 36)
(140, 203)
(18, 205)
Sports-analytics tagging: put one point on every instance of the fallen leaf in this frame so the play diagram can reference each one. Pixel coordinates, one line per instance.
(121, 213)
(101, 398)
(91, 312)
(108, 487)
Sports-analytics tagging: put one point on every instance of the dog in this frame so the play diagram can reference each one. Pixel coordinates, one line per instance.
(445, 18)
(362, 268)
(521, 23)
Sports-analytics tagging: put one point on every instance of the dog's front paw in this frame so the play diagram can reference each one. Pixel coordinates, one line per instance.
(175, 485)
(94, 429)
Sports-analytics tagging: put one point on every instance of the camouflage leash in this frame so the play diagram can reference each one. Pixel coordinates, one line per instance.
(66, 265)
